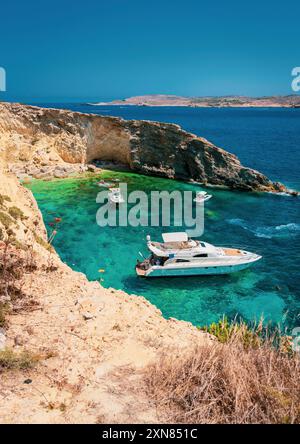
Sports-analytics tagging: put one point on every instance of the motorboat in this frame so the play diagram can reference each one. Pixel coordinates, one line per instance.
(179, 255)
(115, 196)
(103, 183)
(202, 196)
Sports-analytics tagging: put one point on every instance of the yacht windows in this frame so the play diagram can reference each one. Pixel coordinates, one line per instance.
(155, 260)
(201, 255)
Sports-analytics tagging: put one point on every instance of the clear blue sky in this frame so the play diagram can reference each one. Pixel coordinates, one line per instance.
(96, 50)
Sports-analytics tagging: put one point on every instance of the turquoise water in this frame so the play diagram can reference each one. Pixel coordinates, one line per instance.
(268, 140)
(251, 221)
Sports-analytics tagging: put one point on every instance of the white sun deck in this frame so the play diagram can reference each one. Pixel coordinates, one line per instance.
(179, 255)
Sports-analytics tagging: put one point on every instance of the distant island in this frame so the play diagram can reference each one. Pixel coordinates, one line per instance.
(291, 101)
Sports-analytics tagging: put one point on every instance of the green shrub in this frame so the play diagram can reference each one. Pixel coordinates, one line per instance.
(43, 243)
(10, 360)
(225, 330)
(17, 244)
(5, 219)
(4, 198)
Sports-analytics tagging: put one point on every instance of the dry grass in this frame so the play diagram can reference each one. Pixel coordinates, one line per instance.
(6, 220)
(228, 383)
(10, 360)
(16, 261)
(43, 243)
(16, 213)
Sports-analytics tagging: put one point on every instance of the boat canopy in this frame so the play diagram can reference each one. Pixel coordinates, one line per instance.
(175, 237)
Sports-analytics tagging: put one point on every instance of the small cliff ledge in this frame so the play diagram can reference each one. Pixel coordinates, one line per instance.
(44, 142)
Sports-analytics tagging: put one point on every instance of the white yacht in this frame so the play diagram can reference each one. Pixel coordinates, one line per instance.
(115, 196)
(104, 184)
(202, 196)
(178, 255)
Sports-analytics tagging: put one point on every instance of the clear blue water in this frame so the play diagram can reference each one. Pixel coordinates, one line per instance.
(266, 139)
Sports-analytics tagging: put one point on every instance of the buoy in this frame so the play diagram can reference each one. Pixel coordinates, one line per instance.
(57, 219)
(101, 270)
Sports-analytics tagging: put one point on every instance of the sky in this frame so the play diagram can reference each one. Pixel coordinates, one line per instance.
(95, 50)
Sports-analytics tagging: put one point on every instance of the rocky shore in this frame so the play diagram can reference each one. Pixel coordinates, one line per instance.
(44, 143)
(72, 351)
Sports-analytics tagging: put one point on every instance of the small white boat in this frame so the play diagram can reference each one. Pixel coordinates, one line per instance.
(104, 184)
(180, 256)
(202, 196)
(115, 196)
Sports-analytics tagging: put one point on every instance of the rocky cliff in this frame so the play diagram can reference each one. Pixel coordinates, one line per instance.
(45, 142)
(71, 351)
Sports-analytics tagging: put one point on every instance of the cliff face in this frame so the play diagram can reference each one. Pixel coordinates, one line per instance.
(166, 150)
(91, 343)
(41, 142)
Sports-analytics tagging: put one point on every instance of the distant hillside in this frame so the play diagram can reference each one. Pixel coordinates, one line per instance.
(291, 101)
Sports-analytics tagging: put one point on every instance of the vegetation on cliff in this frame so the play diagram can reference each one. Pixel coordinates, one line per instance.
(242, 377)
(96, 338)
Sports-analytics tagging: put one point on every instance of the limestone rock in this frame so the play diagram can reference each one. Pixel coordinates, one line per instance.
(2, 339)
(87, 315)
(67, 138)
(91, 168)
(18, 340)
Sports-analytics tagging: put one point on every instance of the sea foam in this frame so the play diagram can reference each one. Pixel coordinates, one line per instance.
(267, 232)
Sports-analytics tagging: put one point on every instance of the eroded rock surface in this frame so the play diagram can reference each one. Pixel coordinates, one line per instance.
(92, 342)
(43, 143)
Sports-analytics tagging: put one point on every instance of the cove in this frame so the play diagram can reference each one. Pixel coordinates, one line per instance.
(264, 223)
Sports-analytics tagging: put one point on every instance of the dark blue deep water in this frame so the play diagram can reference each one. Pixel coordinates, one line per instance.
(265, 139)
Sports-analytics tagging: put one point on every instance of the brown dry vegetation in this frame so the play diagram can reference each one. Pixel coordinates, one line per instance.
(228, 383)
(10, 360)
(16, 260)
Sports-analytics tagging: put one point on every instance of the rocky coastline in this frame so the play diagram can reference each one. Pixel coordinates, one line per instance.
(290, 101)
(44, 143)
(72, 351)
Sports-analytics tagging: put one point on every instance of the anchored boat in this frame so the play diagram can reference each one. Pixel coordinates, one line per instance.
(178, 255)
(202, 196)
(104, 184)
(115, 196)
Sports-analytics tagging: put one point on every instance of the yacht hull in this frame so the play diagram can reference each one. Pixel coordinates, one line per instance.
(157, 271)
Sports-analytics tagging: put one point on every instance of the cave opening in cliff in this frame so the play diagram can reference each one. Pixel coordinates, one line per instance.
(110, 164)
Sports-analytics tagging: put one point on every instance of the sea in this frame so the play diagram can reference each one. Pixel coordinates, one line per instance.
(266, 139)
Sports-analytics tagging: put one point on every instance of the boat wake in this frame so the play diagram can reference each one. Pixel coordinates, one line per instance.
(268, 232)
